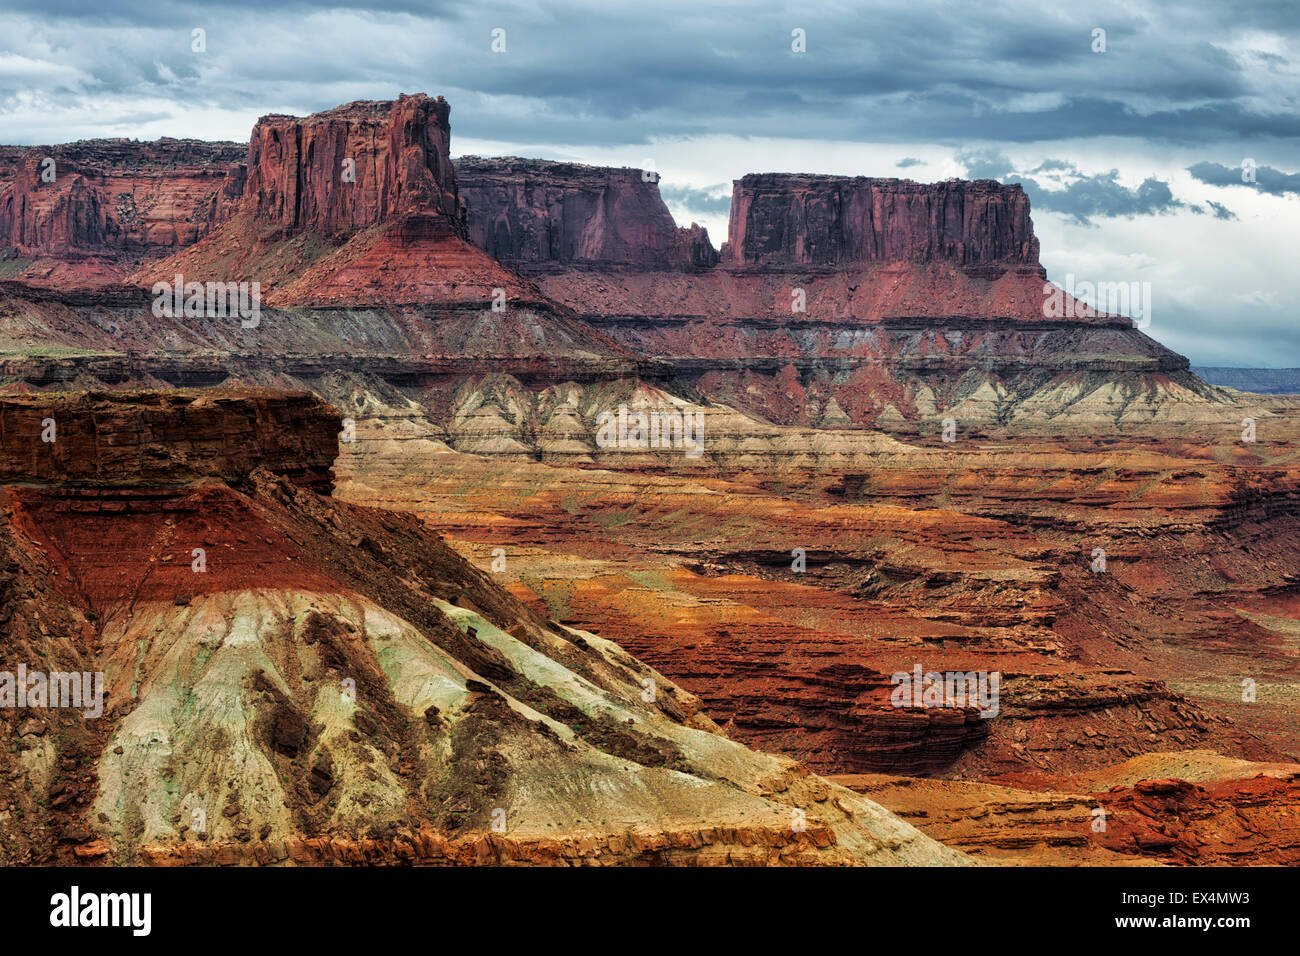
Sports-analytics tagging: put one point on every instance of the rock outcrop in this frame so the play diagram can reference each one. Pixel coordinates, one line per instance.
(1217, 812)
(90, 209)
(787, 573)
(10, 159)
(856, 558)
(801, 221)
(343, 170)
(837, 300)
(538, 215)
(353, 206)
(122, 439)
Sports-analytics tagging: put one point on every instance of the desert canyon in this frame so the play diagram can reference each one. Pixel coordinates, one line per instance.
(367, 586)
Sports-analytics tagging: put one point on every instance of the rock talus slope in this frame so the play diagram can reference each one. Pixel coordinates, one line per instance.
(290, 678)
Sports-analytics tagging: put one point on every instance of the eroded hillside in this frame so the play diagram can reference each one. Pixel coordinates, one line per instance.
(290, 678)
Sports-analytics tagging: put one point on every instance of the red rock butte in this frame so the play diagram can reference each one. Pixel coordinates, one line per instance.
(793, 221)
(84, 213)
(353, 167)
(356, 205)
(834, 301)
(534, 215)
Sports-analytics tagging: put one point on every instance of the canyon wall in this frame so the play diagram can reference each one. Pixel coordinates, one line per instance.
(551, 214)
(352, 167)
(536, 214)
(10, 157)
(354, 206)
(835, 301)
(220, 620)
(333, 173)
(793, 221)
(351, 225)
(115, 198)
(93, 438)
(803, 253)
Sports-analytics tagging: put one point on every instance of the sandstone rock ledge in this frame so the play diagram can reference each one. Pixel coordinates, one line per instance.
(114, 439)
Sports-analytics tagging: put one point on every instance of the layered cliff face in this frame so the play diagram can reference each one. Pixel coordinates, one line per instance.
(866, 302)
(10, 158)
(354, 206)
(788, 586)
(89, 212)
(282, 677)
(837, 301)
(827, 573)
(796, 221)
(1190, 808)
(784, 575)
(332, 173)
(535, 215)
(349, 234)
(126, 439)
(352, 167)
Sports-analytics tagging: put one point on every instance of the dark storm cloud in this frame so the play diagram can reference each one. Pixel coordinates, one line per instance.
(1267, 179)
(899, 71)
(1102, 195)
(909, 161)
(1084, 197)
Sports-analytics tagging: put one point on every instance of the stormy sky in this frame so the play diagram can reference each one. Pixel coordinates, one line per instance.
(1164, 150)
